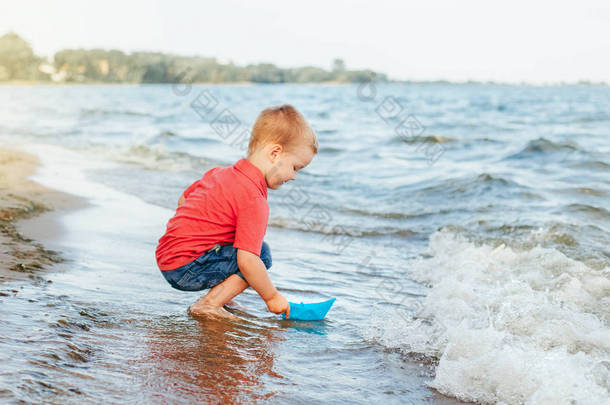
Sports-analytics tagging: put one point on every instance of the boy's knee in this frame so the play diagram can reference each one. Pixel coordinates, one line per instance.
(266, 255)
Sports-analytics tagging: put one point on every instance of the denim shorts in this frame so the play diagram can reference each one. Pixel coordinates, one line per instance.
(211, 268)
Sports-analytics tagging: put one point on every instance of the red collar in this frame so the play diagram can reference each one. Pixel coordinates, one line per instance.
(253, 173)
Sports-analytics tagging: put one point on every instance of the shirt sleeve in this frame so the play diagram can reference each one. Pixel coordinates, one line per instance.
(251, 225)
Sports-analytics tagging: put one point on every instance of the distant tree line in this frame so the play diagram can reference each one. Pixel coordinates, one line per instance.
(19, 63)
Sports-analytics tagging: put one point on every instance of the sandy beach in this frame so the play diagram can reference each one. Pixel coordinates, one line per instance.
(21, 198)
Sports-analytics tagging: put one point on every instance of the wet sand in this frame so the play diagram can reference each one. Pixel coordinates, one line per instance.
(20, 198)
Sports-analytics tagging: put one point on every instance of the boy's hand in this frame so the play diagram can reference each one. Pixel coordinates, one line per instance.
(278, 305)
(253, 269)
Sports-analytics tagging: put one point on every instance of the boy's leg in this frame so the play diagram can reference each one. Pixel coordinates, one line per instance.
(219, 295)
(223, 292)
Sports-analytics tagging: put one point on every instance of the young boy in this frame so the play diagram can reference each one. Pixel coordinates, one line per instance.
(215, 238)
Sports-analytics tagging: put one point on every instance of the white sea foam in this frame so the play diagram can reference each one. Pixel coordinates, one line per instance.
(507, 326)
(152, 157)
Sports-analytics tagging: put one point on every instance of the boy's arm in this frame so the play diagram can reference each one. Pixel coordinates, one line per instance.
(255, 272)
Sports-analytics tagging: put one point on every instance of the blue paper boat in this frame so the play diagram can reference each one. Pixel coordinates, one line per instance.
(309, 312)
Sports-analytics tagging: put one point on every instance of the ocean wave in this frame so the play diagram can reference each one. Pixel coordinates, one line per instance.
(544, 146)
(599, 116)
(152, 157)
(488, 140)
(99, 112)
(528, 236)
(596, 212)
(595, 164)
(482, 183)
(396, 215)
(326, 131)
(584, 191)
(330, 150)
(506, 326)
(585, 243)
(338, 230)
(422, 139)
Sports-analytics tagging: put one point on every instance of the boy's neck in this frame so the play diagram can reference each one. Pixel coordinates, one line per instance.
(259, 162)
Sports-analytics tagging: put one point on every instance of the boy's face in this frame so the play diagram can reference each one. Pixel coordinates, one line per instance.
(287, 164)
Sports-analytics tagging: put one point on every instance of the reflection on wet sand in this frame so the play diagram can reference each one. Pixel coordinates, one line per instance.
(210, 359)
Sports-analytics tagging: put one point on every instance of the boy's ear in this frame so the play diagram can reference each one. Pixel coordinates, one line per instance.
(274, 151)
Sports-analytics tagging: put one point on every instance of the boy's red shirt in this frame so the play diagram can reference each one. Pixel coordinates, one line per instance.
(228, 205)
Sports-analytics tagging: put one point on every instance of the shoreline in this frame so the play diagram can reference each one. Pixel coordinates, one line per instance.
(21, 83)
(21, 198)
(35, 83)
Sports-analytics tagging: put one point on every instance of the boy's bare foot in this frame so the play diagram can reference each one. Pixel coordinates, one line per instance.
(205, 310)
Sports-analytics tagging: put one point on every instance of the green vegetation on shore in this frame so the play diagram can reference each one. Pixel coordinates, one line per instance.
(19, 63)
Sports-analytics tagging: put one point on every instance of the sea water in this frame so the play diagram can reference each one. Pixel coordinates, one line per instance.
(464, 230)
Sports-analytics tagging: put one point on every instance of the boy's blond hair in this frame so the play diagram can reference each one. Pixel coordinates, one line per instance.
(283, 125)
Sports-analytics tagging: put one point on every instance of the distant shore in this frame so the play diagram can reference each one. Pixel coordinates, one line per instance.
(21, 198)
(93, 83)
(328, 83)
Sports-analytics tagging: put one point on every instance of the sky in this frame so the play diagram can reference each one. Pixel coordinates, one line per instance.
(513, 41)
